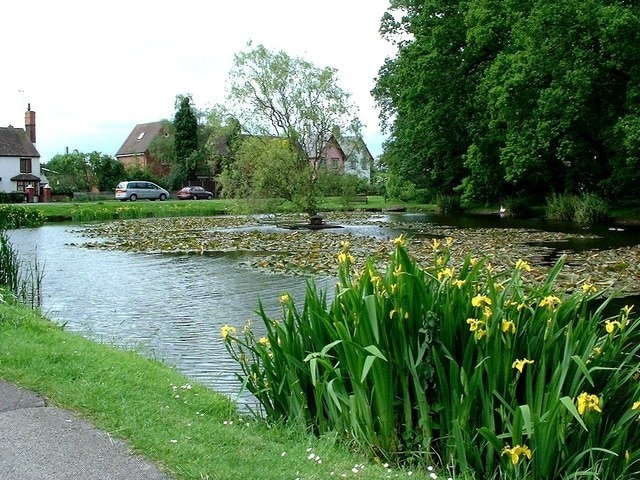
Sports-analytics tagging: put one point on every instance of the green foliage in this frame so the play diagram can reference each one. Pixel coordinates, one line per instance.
(267, 167)
(493, 373)
(519, 207)
(107, 170)
(70, 172)
(23, 280)
(587, 209)
(9, 266)
(186, 137)
(12, 197)
(493, 99)
(12, 216)
(449, 204)
(591, 210)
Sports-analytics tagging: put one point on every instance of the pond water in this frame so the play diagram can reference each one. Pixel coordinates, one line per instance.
(171, 307)
(168, 307)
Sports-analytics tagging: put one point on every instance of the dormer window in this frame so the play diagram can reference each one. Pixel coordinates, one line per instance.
(141, 135)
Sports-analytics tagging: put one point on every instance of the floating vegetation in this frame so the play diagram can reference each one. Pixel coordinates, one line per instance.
(615, 270)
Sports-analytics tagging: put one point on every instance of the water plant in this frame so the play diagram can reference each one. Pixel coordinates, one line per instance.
(480, 372)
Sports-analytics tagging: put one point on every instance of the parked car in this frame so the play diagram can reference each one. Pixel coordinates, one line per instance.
(136, 189)
(195, 193)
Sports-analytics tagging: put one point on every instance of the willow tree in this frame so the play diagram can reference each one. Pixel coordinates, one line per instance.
(273, 94)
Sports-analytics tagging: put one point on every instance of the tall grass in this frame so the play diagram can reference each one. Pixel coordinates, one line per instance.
(22, 280)
(587, 209)
(486, 374)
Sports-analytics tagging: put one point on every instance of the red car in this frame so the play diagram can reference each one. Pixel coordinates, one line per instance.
(194, 193)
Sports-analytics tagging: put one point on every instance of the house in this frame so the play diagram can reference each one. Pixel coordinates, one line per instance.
(20, 161)
(135, 149)
(346, 154)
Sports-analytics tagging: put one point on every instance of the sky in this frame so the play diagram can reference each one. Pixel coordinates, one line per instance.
(93, 70)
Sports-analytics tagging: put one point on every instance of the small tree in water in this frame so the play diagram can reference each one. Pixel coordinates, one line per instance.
(275, 95)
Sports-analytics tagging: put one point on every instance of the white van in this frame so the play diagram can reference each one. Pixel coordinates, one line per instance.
(137, 189)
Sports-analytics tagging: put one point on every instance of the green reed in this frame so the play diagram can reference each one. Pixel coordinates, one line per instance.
(485, 373)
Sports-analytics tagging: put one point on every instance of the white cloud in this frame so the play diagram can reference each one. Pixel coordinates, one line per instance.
(92, 70)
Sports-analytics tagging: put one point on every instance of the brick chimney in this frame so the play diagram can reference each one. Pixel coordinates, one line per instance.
(30, 124)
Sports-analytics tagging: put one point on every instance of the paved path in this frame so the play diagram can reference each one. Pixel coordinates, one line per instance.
(40, 442)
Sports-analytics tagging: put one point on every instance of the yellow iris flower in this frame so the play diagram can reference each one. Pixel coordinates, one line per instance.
(517, 452)
(520, 364)
(226, 330)
(587, 402)
(480, 301)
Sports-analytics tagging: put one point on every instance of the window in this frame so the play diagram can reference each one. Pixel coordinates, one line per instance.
(21, 186)
(141, 135)
(335, 163)
(25, 165)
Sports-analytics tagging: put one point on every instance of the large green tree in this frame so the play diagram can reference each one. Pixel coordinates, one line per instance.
(505, 97)
(274, 94)
(81, 172)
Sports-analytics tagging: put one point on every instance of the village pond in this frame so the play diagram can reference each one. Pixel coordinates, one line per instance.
(165, 287)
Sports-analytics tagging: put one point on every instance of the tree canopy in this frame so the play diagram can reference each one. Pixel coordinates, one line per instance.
(275, 95)
(494, 98)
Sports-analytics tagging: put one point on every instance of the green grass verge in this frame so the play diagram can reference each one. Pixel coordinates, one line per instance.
(189, 430)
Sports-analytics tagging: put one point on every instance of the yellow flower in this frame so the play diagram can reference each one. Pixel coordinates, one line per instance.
(588, 288)
(264, 341)
(486, 313)
(397, 271)
(516, 452)
(474, 324)
(445, 273)
(481, 332)
(610, 326)
(480, 300)
(520, 364)
(284, 298)
(458, 283)
(449, 241)
(522, 265)
(399, 241)
(226, 330)
(587, 402)
(550, 301)
(392, 313)
(344, 257)
(508, 326)
(394, 288)
(345, 245)
(636, 406)
(435, 244)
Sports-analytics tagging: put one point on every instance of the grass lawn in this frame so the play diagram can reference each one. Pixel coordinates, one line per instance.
(189, 430)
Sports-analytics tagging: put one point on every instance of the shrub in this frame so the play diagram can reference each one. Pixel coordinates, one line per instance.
(494, 373)
(12, 197)
(449, 203)
(518, 207)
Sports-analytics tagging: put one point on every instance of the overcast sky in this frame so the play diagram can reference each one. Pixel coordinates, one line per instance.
(93, 70)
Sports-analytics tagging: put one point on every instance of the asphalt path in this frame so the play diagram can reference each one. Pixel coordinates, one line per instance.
(43, 442)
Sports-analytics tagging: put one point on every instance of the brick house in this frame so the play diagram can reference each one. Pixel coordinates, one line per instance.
(135, 149)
